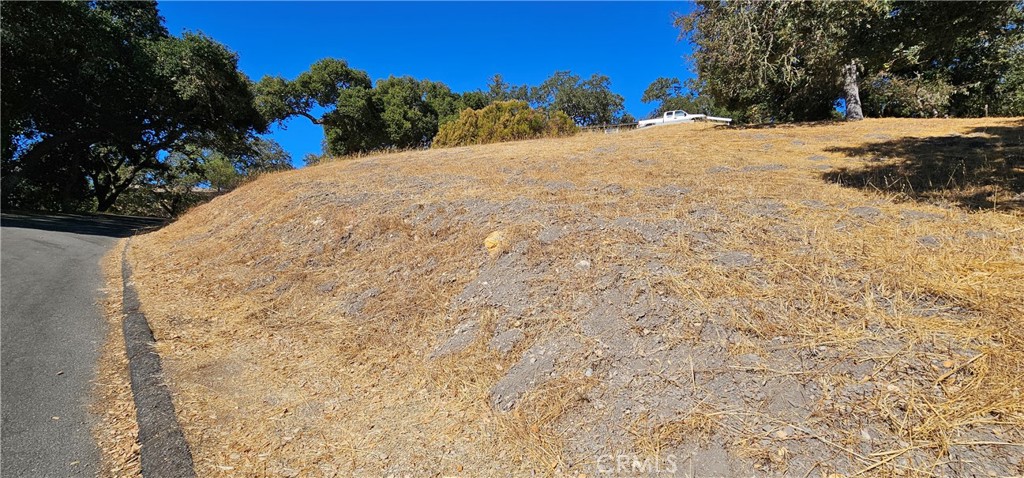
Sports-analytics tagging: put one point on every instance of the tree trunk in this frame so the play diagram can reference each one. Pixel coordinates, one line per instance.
(104, 194)
(850, 87)
(106, 201)
(106, 189)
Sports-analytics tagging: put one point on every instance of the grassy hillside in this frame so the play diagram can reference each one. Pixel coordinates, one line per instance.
(802, 300)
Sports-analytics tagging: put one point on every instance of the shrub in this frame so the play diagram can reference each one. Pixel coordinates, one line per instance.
(503, 121)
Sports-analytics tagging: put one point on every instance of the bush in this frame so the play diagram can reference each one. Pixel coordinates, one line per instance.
(503, 121)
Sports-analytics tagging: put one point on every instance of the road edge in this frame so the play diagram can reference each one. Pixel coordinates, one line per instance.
(164, 452)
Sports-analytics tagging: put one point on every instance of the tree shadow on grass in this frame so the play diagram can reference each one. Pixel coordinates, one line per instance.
(982, 169)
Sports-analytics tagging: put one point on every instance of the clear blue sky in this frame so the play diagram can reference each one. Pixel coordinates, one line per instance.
(461, 44)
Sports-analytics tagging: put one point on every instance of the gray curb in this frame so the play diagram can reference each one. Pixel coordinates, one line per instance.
(164, 451)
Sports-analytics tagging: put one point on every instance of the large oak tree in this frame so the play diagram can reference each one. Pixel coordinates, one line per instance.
(95, 93)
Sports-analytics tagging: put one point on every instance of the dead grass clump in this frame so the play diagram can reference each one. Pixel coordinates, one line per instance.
(698, 424)
(534, 421)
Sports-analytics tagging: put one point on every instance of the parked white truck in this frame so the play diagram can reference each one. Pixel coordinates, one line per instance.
(680, 116)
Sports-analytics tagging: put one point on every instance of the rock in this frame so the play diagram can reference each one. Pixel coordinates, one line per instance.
(503, 282)
(557, 186)
(496, 243)
(980, 234)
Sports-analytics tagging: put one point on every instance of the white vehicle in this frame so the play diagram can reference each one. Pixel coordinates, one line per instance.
(680, 116)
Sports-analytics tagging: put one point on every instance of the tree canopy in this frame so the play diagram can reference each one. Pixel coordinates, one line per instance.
(397, 112)
(405, 112)
(670, 94)
(588, 102)
(778, 60)
(94, 94)
(193, 175)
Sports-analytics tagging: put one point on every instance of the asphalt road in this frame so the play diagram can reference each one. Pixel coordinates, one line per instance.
(50, 334)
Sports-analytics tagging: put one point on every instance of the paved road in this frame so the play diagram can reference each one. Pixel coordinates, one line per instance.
(50, 334)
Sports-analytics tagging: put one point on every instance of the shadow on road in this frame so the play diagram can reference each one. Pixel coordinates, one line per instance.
(983, 169)
(88, 224)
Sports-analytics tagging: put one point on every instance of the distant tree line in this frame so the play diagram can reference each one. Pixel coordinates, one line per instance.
(403, 112)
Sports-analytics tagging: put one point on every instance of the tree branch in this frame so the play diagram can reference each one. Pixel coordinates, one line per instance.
(309, 116)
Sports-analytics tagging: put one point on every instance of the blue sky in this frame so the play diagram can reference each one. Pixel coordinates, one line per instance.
(459, 43)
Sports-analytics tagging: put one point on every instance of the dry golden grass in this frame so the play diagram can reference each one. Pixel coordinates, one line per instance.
(116, 431)
(298, 315)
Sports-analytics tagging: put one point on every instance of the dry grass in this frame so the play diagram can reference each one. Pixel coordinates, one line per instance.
(297, 316)
(116, 431)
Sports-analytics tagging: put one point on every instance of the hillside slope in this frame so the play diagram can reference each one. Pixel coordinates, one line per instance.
(803, 300)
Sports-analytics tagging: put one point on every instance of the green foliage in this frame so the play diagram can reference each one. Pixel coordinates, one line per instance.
(784, 61)
(403, 112)
(890, 95)
(92, 93)
(662, 89)
(588, 102)
(194, 175)
(319, 87)
(503, 121)
(1010, 92)
(670, 95)
(397, 112)
(311, 159)
(409, 119)
(263, 156)
(474, 100)
(221, 173)
(500, 90)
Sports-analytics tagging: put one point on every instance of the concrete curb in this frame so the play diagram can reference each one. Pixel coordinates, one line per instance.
(164, 451)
